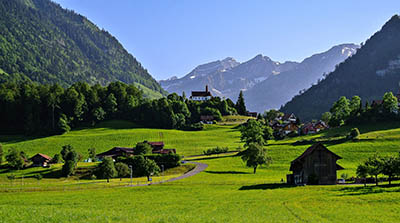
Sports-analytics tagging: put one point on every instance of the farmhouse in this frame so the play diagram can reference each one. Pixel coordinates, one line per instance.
(317, 165)
(201, 95)
(158, 148)
(206, 119)
(116, 152)
(289, 128)
(40, 160)
(289, 118)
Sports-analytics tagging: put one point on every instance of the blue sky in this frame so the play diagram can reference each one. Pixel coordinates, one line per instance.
(171, 37)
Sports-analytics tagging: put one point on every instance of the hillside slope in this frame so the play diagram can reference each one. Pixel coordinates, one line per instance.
(42, 42)
(371, 72)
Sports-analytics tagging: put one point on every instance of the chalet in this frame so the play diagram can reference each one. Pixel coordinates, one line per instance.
(320, 125)
(116, 152)
(317, 165)
(201, 95)
(289, 128)
(206, 119)
(308, 128)
(289, 118)
(252, 114)
(158, 148)
(40, 160)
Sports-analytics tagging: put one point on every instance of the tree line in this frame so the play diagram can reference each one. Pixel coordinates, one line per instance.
(30, 108)
(377, 165)
(353, 111)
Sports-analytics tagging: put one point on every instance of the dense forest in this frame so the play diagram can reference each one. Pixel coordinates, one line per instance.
(371, 72)
(30, 108)
(44, 43)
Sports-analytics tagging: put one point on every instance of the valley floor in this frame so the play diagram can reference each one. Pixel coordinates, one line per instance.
(226, 191)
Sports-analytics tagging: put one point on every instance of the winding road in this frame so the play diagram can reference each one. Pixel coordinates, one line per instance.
(199, 168)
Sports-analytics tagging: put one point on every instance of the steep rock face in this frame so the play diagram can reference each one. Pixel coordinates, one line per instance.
(371, 72)
(278, 89)
(42, 42)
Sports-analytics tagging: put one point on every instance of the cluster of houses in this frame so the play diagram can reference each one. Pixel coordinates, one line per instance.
(288, 124)
(157, 148)
(42, 160)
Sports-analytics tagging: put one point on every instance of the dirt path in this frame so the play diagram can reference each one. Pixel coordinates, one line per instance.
(199, 168)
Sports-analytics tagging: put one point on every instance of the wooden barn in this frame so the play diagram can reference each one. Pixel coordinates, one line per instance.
(116, 152)
(317, 165)
(40, 160)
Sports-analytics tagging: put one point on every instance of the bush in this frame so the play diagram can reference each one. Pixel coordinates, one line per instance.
(168, 160)
(194, 127)
(216, 150)
(354, 133)
(142, 148)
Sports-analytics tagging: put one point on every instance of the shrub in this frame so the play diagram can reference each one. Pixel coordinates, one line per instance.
(216, 150)
(354, 133)
(142, 148)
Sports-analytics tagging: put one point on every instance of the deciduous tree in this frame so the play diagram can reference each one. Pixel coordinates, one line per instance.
(255, 155)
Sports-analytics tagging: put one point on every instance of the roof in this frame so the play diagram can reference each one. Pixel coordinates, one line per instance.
(165, 151)
(206, 118)
(155, 143)
(43, 155)
(201, 93)
(115, 151)
(310, 150)
(287, 116)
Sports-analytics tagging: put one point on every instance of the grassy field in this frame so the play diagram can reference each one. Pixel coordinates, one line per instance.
(226, 191)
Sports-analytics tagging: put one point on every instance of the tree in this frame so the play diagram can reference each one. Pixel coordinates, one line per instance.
(1, 154)
(107, 169)
(122, 169)
(354, 105)
(252, 132)
(390, 167)
(326, 117)
(255, 155)
(65, 150)
(340, 112)
(142, 148)
(15, 159)
(56, 158)
(362, 171)
(62, 125)
(354, 133)
(71, 159)
(92, 153)
(272, 114)
(110, 104)
(390, 103)
(150, 168)
(240, 105)
(38, 177)
(374, 166)
(268, 133)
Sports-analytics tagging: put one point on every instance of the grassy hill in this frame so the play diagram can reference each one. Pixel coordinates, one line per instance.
(226, 191)
(44, 43)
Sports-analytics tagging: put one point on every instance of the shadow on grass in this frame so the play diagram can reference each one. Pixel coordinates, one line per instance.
(226, 172)
(364, 190)
(266, 186)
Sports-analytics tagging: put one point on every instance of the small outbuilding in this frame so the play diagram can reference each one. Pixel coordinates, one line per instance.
(40, 160)
(317, 165)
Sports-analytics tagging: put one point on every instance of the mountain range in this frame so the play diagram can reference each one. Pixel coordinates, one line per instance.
(44, 43)
(371, 72)
(266, 83)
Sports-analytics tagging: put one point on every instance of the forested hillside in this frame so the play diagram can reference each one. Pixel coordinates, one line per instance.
(42, 42)
(371, 72)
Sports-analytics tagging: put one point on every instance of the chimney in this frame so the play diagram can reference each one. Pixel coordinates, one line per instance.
(206, 88)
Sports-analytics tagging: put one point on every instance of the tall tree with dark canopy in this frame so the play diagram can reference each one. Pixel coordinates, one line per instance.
(240, 105)
(15, 159)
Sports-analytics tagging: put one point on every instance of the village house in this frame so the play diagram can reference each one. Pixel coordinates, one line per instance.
(252, 114)
(289, 118)
(116, 152)
(317, 165)
(289, 128)
(311, 127)
(40, 160)
(201, 95)
(207, 119)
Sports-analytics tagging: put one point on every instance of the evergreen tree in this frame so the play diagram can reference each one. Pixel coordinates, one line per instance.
(240, 105)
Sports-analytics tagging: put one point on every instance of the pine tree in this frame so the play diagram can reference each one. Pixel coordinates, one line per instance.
(240, 105)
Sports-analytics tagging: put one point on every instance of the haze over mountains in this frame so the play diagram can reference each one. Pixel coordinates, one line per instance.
(44, 43)
(372, 71)
(266, 83)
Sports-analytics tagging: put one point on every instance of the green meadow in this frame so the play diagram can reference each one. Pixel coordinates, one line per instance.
(226, 191)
